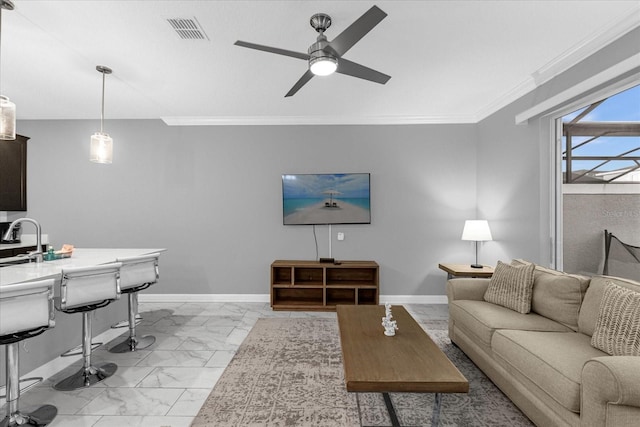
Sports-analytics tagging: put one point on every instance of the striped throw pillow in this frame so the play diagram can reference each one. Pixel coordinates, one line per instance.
(511, 287)
(618, 325)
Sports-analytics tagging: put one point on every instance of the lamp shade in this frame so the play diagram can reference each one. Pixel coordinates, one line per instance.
(476, 230)
(7, 119)
(101, 148)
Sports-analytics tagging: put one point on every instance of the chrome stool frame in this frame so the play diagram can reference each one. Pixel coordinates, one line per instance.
(83, 290)
(136, 274)
(26, 310)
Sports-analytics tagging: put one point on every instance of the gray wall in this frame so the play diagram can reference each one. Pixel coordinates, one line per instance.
(212, 197)
(515, 162)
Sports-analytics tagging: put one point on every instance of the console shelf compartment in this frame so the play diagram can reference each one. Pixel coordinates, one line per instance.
(315, 286)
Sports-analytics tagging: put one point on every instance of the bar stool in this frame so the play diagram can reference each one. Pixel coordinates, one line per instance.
(26, 310)
(136, 274)
(83, 290)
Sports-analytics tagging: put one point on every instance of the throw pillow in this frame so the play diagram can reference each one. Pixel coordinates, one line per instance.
(511, 287)
(618, 325)
(557, 295)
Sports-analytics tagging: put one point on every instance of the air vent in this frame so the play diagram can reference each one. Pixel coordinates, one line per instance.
(188, 28)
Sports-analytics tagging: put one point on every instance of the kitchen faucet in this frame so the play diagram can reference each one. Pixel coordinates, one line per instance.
(37, 254)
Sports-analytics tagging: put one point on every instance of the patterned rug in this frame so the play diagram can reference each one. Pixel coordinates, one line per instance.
(288, 372)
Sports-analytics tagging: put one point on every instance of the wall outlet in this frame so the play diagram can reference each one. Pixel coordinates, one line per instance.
(341, 236)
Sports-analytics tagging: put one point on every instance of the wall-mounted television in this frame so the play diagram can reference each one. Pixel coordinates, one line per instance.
(336, 198)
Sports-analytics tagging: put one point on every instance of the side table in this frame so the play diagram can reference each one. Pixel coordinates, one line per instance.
(465, 270)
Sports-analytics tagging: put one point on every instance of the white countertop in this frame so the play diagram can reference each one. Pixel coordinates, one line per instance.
(80, 258)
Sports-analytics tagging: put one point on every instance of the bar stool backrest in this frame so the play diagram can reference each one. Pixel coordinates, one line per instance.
(138, 271)
(86, 286)
(26, 306)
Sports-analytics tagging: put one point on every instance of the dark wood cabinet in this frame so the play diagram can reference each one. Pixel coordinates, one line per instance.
(13, 174)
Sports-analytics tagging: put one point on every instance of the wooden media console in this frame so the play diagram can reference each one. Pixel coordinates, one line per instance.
(316, 286)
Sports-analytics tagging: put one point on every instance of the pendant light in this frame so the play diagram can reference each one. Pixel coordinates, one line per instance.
(7, 108)
(101, 143)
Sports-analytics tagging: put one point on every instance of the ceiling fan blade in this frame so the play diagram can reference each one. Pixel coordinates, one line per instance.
(270, 49)
(301, 82)
(346, 39)
(356, 70)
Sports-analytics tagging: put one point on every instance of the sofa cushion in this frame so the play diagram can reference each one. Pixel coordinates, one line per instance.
(482, 319)
(591, 303)
(617, 329)
(552, 361)
(557, 295)
(510, 287)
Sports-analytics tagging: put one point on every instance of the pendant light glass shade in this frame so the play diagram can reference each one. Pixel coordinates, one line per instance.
(7, 119)
(101, 148)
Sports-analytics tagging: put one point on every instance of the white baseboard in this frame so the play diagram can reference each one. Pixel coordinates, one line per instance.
(393, 299)
(203, 298)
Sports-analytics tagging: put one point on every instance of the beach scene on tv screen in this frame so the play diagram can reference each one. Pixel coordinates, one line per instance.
(326, 199)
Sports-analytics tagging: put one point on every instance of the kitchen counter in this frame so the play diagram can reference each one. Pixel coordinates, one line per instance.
(66, 333)
(52, 269)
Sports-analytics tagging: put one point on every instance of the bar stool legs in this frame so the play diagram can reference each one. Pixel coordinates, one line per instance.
(125, 323)
(88, 375)
(133, 343)
(41, 416)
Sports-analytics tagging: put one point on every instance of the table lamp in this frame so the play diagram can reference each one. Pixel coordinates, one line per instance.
(476, 230)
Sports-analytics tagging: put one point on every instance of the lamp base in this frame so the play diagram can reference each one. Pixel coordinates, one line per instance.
(477, 266)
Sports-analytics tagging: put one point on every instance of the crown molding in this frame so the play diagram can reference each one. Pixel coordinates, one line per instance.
(554, 102)
(581, 51)
(313, 120)
(588, 46)
(513, 95)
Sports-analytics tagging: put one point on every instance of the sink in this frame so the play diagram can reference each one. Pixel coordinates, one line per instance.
(12, 260)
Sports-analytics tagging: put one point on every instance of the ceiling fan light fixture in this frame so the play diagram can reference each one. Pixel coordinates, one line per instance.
(321, 61)
(323, 66)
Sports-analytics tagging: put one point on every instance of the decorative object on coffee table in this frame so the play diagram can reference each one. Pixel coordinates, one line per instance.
(390, 326)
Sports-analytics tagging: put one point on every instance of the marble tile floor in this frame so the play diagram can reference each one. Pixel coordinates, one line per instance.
(166, 384)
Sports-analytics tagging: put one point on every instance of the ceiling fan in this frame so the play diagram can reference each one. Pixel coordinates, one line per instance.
(325, 56)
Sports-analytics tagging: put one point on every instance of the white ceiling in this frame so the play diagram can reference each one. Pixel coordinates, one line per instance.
(450, 61)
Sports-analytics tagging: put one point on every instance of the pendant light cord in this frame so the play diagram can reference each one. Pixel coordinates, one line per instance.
(102, 113)
(1, 48)
(4, 4)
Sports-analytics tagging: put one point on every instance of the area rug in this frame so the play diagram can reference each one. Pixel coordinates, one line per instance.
(288, 372)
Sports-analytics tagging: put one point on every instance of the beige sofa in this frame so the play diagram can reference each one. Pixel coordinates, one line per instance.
(544, 361)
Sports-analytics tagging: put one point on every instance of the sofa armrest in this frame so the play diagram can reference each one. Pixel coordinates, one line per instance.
(466, 288)
(610, 390)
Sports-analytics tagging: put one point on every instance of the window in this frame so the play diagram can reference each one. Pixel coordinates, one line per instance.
(601, 142)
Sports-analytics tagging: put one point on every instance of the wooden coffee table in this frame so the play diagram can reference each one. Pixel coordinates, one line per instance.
(407, 362)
